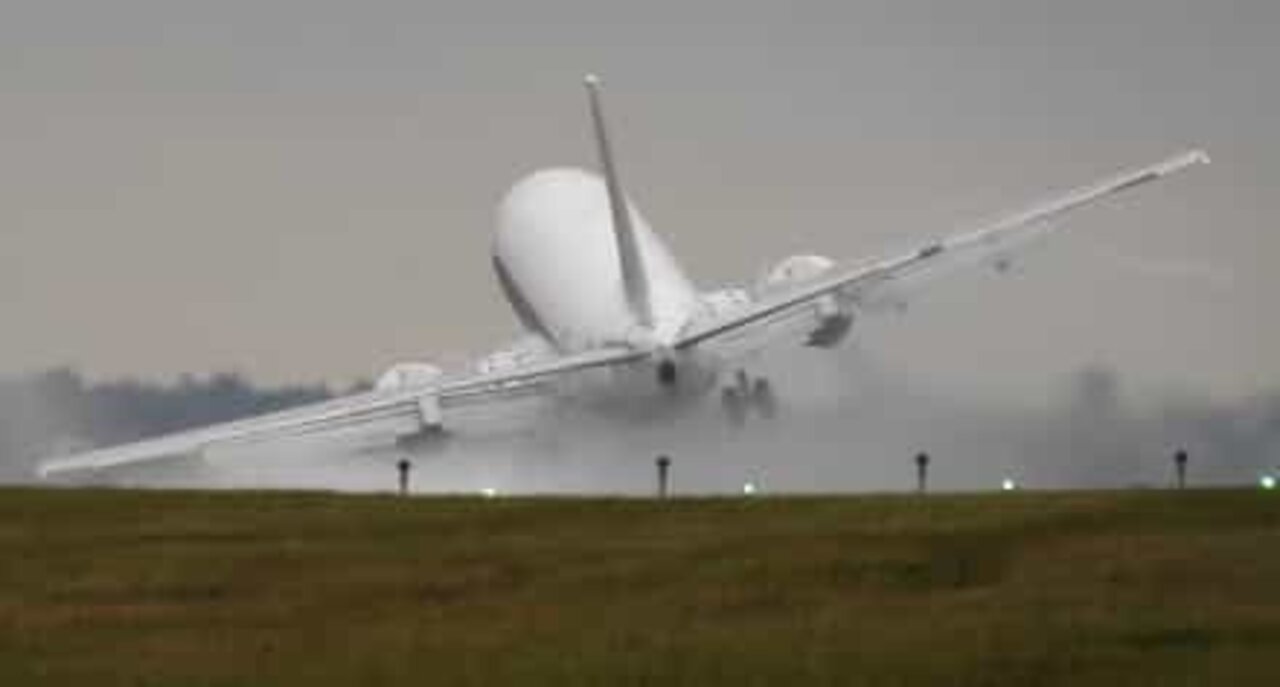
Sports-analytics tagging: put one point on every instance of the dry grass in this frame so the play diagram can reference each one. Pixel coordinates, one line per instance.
(114, 587)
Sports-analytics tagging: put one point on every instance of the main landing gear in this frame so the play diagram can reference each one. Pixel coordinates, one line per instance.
(747, 395)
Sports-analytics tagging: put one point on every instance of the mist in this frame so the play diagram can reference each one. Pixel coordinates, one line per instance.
(848, 423)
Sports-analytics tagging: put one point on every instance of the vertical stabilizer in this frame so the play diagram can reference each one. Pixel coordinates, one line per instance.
(634, 278)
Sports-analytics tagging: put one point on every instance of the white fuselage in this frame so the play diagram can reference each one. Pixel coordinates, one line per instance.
(556, 255)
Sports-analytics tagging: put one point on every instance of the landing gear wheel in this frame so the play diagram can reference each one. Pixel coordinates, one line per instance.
(763, 398)
(735, 406)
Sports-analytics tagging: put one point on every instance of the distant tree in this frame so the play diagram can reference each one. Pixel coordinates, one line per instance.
(58, 408)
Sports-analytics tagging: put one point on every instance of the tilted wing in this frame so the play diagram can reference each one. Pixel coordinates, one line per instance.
(405, 404)
(862, 283)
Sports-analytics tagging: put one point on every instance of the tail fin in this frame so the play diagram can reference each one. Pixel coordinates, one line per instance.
(634, 278)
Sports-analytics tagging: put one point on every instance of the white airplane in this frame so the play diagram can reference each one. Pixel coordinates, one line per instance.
(610, 315)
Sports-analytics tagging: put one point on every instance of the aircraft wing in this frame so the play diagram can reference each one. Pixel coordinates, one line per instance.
(412, 404)
(863, 283)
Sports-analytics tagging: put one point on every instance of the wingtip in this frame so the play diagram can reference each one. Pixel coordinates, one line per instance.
(1182, 161)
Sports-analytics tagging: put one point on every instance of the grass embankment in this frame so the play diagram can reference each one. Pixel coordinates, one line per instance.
(106, 588)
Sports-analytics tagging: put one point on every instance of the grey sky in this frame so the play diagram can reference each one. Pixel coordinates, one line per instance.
(303, 190)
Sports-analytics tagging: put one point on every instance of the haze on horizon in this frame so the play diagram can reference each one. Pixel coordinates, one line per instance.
(303, 190)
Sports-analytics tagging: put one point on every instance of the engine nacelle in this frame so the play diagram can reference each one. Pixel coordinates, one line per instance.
(832, 313)
(834, 319)
(408, 376)
(427, 426)
(796, 269)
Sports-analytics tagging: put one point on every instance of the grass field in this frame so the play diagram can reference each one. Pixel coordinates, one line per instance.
(141, 588)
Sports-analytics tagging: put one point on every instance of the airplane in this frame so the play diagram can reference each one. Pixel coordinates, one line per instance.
(611, 319)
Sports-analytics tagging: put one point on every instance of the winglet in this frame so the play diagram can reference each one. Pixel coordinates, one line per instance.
(634, 278)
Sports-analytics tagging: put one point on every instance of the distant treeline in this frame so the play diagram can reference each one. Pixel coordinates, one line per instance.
(59, 411)
(1090, 433)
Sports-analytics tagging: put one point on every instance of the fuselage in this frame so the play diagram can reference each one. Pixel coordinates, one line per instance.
(556, 256)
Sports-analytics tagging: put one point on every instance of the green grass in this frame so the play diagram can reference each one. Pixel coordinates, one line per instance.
(191, 588)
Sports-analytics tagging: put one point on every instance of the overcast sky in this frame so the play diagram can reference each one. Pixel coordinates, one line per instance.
(303, 190)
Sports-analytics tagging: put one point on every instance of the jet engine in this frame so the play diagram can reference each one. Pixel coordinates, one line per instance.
(794, 270)
(832, 315)
(428, 425)
(407, 375)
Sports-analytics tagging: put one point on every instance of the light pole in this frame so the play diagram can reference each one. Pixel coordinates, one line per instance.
(664, 468)
(403, 466)
(922, 472)
(1180, 466)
